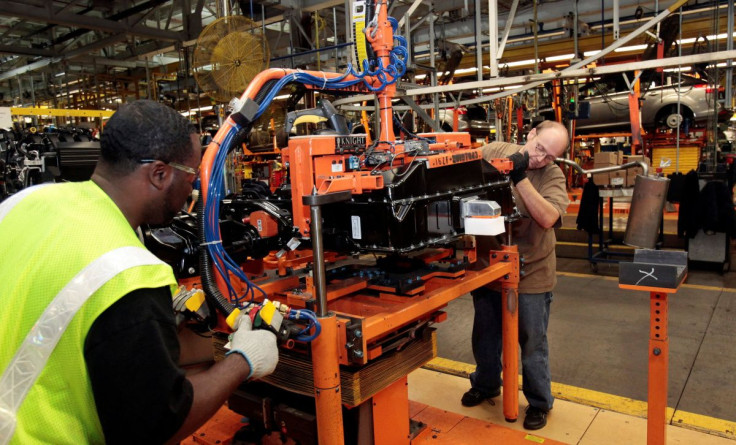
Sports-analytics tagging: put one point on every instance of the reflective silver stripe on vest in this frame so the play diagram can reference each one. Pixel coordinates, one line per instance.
(34, 352)
(7, 205)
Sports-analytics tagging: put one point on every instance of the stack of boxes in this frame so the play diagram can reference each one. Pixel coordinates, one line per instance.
(609, 159)
(632, 172)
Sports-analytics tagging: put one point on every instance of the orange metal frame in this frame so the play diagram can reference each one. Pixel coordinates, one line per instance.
(316, 166)
(659, 348)
(384, 315)
(658, 362)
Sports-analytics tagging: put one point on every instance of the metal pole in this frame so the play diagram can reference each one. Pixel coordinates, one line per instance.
(97, 86)
(679, 73)
(148, 80)
(33, 92)
(478, 41)
(68, 95)
(334, 22)
(536, 57)
(656, 11)
(263, 32)
(187, 70)
(616, 26)
(433, 74)
(493, 36)
(603, 33)
(575, 32)
(33, 100)
(493, 54)
(407, 36)
(712, 124)
(291, 41)
(729, 62)
(536, 38)
(349, 29)
(318, 272)
(507, 27)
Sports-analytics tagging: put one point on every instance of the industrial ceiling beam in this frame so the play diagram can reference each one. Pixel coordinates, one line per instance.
(25, 51)
(67, 6)
(617, 44)
(409, 12)
(158, 49)
(69, 55)
(694, 28)
(88, 61)
(47, 15)
(533, 80)
(124, 14)
(306, 8)
(507, 28)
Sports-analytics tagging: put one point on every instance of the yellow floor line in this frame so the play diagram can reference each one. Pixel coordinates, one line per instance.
(705, 424)
(586, 275)
(685, 285)
(610, 402)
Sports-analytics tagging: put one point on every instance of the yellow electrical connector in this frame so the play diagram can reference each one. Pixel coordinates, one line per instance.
(195, 301)
(230, 320)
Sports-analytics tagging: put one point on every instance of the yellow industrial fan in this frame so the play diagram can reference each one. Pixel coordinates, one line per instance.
(228, 55)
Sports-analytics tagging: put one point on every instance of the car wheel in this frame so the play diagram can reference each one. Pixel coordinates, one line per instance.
(669, 118)
(673, 120)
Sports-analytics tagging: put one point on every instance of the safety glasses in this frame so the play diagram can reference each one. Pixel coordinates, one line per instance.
(175, 165)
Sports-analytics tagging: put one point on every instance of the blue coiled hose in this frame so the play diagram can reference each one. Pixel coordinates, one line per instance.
(224, 264)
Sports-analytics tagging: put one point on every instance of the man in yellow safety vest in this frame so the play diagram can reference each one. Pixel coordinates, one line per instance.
(89, 345)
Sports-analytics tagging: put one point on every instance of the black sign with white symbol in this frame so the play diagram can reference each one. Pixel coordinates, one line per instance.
(350, 142)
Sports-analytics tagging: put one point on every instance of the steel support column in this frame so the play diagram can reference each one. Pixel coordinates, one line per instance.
(729, 63)
(478, 40)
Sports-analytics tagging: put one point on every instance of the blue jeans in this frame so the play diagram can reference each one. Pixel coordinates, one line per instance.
(488, 345)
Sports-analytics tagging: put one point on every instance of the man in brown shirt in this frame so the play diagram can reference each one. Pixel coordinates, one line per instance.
(541, 197)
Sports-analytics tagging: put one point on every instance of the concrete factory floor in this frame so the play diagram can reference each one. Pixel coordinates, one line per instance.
(598, 337)
(569, 422)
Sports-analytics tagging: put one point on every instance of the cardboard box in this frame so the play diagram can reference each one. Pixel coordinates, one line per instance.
(617, 178)
(638, 158)
(599, 165)
(604, 158)
(631, 177)
(601, 179)
(638, 170)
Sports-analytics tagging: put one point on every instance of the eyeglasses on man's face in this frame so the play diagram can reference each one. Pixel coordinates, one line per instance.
(542, 152)
(181, 167)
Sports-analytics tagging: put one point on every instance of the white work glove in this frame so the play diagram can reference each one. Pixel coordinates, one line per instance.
(257, 347)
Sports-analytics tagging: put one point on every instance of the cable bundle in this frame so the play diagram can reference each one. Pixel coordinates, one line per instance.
(223, 263)
(213, 240)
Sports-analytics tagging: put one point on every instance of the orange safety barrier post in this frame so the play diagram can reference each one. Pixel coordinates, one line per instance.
(661, 273)
(510, 327)
(658, 369)
(327, 396)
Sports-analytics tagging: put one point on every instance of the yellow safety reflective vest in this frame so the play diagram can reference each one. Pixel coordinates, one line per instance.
(61, 245)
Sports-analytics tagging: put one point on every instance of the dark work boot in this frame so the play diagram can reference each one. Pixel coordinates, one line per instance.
(475, 397)
(536, 418)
